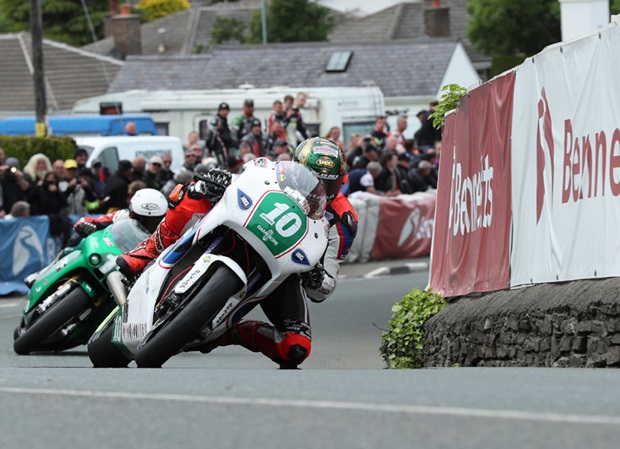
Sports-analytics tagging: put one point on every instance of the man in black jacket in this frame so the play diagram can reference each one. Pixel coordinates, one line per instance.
(219, 138)
(116, 187)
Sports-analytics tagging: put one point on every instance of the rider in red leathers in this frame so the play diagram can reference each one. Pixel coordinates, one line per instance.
(288, 340)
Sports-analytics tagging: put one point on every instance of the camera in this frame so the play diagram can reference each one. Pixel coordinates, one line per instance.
(10, 173)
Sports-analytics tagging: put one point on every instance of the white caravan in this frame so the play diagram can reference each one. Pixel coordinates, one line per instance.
(178, 112)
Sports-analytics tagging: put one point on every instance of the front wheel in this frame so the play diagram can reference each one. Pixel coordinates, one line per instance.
(203, 307)
(50, 322)
(105, 354)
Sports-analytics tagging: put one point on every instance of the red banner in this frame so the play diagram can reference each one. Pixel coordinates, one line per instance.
(406, 227)
(471, 250)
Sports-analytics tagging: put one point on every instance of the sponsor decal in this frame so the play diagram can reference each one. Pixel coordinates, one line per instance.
(300, 257)
(243, 200)
(108, 242)
(27, 246)
(416, 225)
(150, 207)
(326, 151)
(471, 199)
(325, 163)
(544, 152)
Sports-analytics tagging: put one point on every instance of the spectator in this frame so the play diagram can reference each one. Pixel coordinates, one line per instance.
(166, 174)
(281, 147)
(219, 137)
(2, 157)
(242, 124)
(256, 140)
(402, 174)
(69, 178)
(133, 187)
(116, 187)
(358, 152)
(81, 156)
(130, 129)
(363, 179)
(98, 181)
(276, 115)
(183, 176)
(139, 168)
(244, 148)
(58, 167)
(36, 168)
(47, 199)
(334, 135)
(21, 209)
(385, 182)
(293, 121)
(391, 144)
(422, 178)
(91, 203)
(427, 136)
(277, 132)
(13, 184)
(233, 165)
(151, 177)
(189, 160)
(399, 133)
(378, 132)
(371, 154)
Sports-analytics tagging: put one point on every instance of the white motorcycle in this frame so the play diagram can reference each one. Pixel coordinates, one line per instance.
(268, 225)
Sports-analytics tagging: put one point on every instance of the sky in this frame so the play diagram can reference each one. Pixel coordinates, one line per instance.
(363, 6)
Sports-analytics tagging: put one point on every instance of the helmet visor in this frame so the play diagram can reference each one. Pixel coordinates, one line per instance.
(299, 184)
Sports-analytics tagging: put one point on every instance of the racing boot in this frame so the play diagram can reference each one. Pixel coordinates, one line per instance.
(132, 263)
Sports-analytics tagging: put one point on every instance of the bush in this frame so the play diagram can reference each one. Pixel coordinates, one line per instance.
(403, 341)
(23, 148)
(156, 9)
(452, 93)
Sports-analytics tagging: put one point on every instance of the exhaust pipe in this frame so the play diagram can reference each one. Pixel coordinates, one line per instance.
(116, 286)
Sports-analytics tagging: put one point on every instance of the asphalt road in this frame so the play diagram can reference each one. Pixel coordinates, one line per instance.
(342, 398)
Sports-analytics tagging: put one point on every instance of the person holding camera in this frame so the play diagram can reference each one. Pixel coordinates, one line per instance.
(293, 121)
(14, 186)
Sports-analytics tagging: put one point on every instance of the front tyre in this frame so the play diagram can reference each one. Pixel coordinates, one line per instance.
(105, 354)
(202, 308)
(52, 320)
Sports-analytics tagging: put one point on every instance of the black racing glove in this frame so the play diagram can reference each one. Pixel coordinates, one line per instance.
(313, 279)
(84, 228)
(213, 183)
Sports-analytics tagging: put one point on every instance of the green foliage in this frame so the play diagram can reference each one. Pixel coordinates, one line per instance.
(23, 148)
(452, 93)
(227, 28)
(292, 21)
(156, 9)
(614, 7)
(403, 341)
(501, 63)
(63, 20)
(509, 27)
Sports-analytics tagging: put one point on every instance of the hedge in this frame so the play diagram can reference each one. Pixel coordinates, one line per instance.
(23, 148)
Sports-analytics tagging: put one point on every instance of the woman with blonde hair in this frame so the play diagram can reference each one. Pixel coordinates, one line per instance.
(334, 135)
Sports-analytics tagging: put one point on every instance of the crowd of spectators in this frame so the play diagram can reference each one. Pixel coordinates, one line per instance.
(383, 162)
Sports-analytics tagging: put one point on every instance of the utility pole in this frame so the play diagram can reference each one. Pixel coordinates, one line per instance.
(36, 35)
(264, 22)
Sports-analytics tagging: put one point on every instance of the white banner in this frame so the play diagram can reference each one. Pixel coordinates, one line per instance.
(566, 162)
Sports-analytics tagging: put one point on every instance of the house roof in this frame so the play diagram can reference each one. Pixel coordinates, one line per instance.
(406, 21)
(70, 74)
(399, 68)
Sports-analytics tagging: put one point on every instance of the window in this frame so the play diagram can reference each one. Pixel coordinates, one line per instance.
(339, 61)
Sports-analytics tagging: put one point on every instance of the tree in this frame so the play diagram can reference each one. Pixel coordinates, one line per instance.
(508, 27)
(156, 9)
(292, 21)
(63, 20)
(227, 28)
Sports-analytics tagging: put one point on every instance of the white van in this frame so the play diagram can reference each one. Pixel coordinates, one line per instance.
(110, 150)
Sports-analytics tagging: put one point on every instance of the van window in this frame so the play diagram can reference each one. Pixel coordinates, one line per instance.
(359, 128)
(163, 129)
(109, 158)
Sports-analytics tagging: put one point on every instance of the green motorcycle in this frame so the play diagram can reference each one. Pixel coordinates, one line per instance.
(70, 298)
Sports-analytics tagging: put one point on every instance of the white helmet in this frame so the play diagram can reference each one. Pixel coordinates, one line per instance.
(148, 206)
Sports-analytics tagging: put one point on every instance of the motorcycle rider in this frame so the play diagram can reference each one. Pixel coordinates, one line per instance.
(288, 340)
(148, 206)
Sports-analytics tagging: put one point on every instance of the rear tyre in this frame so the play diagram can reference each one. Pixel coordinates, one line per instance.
(52, 320)
(203, 307)
(105, 354)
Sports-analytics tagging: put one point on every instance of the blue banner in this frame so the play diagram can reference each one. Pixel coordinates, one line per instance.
(26, 247)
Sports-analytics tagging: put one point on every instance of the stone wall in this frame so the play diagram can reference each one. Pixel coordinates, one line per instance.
(574, 324)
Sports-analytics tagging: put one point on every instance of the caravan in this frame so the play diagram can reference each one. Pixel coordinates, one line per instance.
(177, 113)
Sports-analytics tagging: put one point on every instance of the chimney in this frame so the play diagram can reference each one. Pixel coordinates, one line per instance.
(437, 20)
(125, 29)
(579, 17)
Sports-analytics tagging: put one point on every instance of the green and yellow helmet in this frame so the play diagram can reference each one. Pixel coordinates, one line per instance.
(325, 160)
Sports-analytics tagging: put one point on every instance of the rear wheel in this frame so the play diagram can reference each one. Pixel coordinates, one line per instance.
(203, 307)
(51, 321)
(105, 354)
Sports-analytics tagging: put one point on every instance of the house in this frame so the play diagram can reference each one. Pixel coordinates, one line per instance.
(70, 74)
